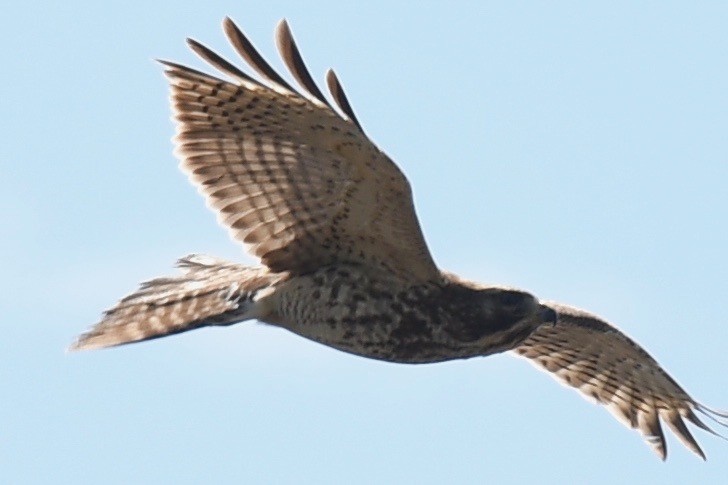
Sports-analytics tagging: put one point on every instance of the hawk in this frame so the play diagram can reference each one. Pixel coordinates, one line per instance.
(343, 260)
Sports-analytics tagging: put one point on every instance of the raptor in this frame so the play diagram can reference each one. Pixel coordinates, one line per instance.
(343, 260)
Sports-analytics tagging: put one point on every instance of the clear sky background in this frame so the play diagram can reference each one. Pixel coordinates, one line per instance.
(579, 152)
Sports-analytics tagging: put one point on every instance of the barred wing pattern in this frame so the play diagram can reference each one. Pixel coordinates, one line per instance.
(297, 182)
(603, 364)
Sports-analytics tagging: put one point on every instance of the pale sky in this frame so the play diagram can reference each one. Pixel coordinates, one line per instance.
(578, 152)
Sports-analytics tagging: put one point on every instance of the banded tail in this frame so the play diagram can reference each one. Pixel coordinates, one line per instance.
(209, 292)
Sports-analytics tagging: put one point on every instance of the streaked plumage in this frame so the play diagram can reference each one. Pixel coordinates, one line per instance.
(344, 261)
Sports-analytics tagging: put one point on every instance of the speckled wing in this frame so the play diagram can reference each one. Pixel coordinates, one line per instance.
(602, 363)
(299, 183)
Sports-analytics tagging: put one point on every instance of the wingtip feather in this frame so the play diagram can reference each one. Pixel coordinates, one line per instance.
(250, 54)
(293, 60)
(342, 101)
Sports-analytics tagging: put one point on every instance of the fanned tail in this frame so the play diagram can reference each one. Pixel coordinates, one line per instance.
(209, 292)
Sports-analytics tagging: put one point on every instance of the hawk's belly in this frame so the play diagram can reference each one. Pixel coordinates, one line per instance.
(377, 318)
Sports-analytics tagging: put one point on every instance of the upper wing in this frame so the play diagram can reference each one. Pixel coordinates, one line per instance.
(297, 182)
(585, 352)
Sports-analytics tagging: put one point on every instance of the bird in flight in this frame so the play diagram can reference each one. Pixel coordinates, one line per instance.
(343, 260)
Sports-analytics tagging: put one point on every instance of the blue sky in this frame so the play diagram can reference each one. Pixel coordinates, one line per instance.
(579, 152)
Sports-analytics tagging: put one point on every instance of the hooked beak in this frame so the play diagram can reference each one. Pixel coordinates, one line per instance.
(549, 315)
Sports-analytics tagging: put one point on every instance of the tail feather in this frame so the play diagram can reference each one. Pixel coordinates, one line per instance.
(209, 292)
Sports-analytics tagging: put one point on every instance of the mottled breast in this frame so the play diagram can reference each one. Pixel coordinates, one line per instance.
(378, 316)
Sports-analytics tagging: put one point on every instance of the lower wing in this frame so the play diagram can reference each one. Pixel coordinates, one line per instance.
(585, 352)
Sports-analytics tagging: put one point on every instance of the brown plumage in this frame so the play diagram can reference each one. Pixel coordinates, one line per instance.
(344, 261)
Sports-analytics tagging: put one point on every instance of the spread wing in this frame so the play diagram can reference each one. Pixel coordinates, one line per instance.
(585, 352)
(300, 184)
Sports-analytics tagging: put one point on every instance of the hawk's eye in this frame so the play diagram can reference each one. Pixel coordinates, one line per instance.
(514, 298)
(510, 298)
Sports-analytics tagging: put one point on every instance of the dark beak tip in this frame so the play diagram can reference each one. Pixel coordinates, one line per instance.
(549, 315)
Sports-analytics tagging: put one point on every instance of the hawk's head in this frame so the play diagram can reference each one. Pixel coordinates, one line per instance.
(495, 318)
